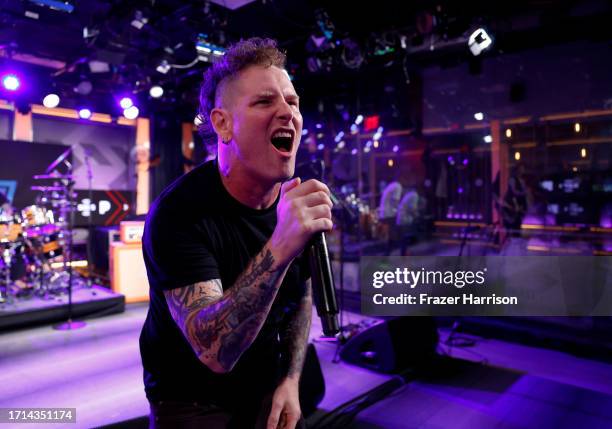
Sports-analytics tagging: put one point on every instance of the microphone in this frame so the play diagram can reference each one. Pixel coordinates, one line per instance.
(323, 290)
(322, 279)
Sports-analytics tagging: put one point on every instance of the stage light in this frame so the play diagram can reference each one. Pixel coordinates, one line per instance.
(396, 148)
(488, 139)
(366, 149)
(376, 144)
(575, 169)
(341, 144)
(517, 155)
(126, 103)
(131, 112)
(319, 126)
(320, 135)
(354, 129)
(478, 41)
(139, 20)
(358, 119)
(320, 146)
(508, 132)
(11, 82)
(84, 113)
(339, 136)
(479, 116)
(51, 101)
(305, 131)
(354, 152)
(163, 67)
(577, 127)
(583, 153)
(156, 91)
(390, 163)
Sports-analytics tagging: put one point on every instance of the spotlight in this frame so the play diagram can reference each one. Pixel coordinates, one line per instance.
(163, 67)
(508, 132)
(320, 146)
(583, 153)
(479, 116)
(577, 127)
(51, 101)
(396, 148)
(358, 119)
(478, 41)
(126, 103)
(139, 20)
(156, 91)
(11, 82)
(131, 112)
(339, 136)
(517, 156)
(390, 163)
(85, 113)
(488, 139)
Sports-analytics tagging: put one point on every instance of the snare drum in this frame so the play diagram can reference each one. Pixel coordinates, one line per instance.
(52, 246)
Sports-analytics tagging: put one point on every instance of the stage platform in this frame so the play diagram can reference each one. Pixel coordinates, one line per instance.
(86, 303)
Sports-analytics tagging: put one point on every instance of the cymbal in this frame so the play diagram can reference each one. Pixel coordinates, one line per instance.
(52, 176)
(47, 188)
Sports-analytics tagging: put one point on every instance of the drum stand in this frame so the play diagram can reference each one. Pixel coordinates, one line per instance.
(8, 253)
(69, 324)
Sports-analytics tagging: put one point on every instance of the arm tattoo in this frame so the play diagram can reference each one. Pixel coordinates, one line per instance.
(294, 337)
(221, 326)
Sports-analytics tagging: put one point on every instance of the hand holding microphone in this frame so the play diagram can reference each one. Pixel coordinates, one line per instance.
(304, 214)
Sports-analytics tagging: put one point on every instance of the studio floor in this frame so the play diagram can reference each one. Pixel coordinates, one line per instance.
(494, 384)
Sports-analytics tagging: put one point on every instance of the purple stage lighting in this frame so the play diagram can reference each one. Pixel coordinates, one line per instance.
(395, 148)
(126, 103)
(84, 113)
(11, 82)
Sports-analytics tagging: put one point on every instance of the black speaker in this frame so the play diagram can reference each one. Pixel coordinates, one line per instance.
(394, 345)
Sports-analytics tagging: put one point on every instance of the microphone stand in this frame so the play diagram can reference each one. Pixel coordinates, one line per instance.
(70, 325)
(89, 282)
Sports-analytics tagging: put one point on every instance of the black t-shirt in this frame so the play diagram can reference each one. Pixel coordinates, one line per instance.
(196, 231)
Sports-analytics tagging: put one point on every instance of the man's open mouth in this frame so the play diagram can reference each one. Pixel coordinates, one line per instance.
(283, 141)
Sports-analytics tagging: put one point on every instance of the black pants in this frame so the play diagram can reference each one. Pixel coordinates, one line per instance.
(188, 415)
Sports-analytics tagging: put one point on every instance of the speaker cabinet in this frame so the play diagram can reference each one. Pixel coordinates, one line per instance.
(393, 345)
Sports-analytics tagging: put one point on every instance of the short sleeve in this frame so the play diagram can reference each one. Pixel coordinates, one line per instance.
(176, 253)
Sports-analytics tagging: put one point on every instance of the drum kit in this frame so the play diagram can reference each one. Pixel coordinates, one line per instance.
(36, 243)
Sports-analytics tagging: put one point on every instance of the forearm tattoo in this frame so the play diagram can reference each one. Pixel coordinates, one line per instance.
(294, 336)
(221, 326)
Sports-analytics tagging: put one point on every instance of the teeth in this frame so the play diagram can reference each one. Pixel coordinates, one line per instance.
(281, 134)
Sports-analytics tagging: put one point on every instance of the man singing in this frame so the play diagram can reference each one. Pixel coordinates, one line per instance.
(225, 337)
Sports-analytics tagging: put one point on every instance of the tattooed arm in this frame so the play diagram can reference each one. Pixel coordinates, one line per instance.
(221, 326)
(294, 336)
